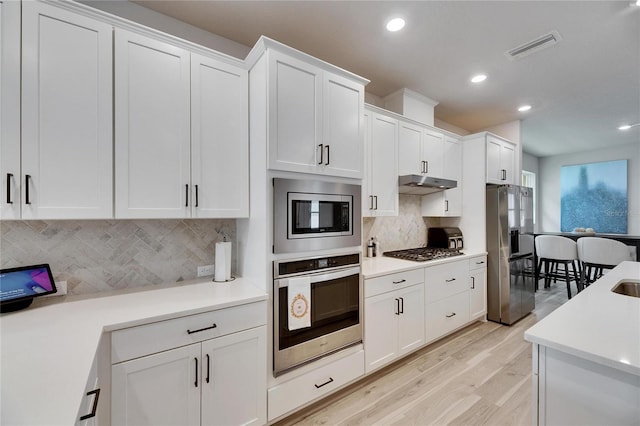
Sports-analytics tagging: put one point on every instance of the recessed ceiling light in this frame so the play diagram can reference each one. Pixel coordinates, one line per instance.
(524, 108)
(478, 78)
(395, 24)
(637, 2)
(625, 127)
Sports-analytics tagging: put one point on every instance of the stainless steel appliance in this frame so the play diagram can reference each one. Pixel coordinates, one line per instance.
(336, 309)
(314, 215)
(445, 238)
(510, 273)
(422, 254)
(422, 184)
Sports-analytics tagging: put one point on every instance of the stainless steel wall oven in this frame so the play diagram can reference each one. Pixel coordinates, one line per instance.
(336, 309)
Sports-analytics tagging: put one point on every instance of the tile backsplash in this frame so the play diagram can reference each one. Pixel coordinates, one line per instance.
(102, 255)
(407, 230)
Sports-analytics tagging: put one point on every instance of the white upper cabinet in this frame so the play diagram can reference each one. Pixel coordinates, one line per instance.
(10, 110)
(219, 139)
(380, 185)
(500, 161)
(315, 122)
(420, 151)
(152, 131)
(448, 202)
(66, 115)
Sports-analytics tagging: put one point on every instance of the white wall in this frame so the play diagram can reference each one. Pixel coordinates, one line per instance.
(136, 13)
(450, 127)
(549, 183)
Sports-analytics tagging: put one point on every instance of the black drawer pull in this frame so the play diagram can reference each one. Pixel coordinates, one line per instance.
(95, 392)
(452, 315)
(450, 280)
(201, 329)
(27, 178)
(208, 368)
(480, 263)
(321, 146)
(399, 282)
(196, 375)
(324, 384)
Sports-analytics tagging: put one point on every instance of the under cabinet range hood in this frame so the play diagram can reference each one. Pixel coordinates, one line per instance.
(422, 185)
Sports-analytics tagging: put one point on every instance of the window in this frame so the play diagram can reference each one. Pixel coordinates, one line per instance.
(529, 180)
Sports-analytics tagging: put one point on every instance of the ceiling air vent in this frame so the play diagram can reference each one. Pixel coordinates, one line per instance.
(533, 46)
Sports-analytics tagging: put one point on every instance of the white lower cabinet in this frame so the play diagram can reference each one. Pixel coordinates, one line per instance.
(214, 381)
(477, 286)
(315, 384)
(446, 298)
(393, 317)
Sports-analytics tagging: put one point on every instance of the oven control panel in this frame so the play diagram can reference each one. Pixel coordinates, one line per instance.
(291, 267)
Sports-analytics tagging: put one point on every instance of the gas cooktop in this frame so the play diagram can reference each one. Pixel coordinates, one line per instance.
(422, 254)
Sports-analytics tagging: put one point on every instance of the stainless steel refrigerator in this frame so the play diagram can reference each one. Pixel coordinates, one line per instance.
(510, 273)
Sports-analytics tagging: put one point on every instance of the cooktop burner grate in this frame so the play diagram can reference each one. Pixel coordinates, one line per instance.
(422, 254)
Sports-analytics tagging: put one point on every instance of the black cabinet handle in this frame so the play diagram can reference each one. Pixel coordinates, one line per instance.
(453, 314)
(376, 198)
(450, 280)
(370, 202)
(397, 312)
(9, 177)
(446, 205)
(399, 282)
(426, 167)
(321, 146)
(95, 392)
(324, 384)
(201, 329)
(196, 382)
(27, 178)
(208, 368)
(504, 174)
(480, 263)
(186, 193)
(401, 305)
(196, 195)
(473, 283)
(327, 147)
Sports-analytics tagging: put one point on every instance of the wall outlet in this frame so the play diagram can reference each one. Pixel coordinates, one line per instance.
(61, 286)
(205, 270)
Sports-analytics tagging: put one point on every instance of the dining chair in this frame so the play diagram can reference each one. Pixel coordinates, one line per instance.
(553, 251)
(597, 254)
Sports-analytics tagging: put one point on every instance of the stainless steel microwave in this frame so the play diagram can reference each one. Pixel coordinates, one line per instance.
(315, 215)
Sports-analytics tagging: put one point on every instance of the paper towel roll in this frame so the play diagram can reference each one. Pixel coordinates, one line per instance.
(222, 270)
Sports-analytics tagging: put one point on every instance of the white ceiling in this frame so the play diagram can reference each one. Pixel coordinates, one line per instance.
(581, 89)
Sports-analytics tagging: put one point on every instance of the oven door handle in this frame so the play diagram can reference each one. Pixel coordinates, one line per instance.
(284, 282)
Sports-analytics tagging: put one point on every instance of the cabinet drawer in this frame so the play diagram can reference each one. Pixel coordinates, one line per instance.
(445, 280)
(446, 315)
(478, 262)
(147, 339)
(390, 282)
(303, 389)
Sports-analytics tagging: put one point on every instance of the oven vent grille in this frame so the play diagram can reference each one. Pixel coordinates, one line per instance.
(533, 46)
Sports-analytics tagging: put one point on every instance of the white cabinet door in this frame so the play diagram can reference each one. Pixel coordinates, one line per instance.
(158, 389)
(380, 330)
(152, 162)
(234, 375)
(219, 139)
(410, 161)
(477, 293)
(411, 319)
(10, 110)
(342, 135)
(453, 170)
(382, 172)
(507, 162)
(294, 106)
(501, 158)
(66, 115)
(433, 153)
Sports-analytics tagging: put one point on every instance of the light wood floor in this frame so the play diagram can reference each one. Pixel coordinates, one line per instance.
(480, 375)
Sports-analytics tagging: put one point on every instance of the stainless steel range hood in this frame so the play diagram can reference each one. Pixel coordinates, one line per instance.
(421, 185)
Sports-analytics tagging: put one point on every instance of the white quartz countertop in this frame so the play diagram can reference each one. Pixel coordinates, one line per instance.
(47, 350)
(597, 324)
(383, 265)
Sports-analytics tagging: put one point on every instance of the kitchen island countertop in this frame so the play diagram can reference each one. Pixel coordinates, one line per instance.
(597, 324)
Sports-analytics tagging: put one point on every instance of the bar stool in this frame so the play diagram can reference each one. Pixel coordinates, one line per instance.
(554, 250)
(597, 254)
